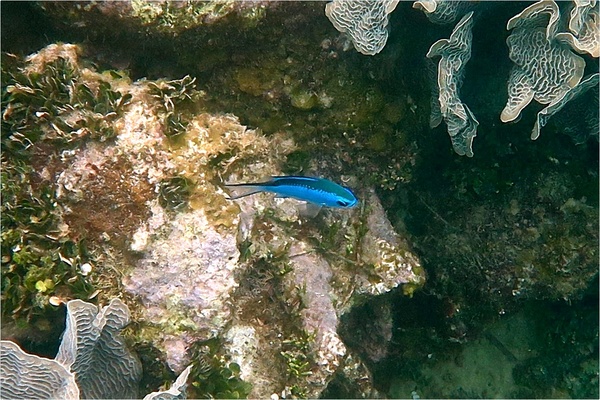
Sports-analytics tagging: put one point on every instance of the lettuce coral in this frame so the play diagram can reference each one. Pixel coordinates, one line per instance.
(28, 376)
(365, 21)
(455, 53)
(443, 12)
(545, 68)
(96, 354)
(545, 114)
(93, 361)
(584, 28)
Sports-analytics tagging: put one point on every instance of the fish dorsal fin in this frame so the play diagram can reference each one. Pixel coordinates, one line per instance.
(306, 181)
(296, 178)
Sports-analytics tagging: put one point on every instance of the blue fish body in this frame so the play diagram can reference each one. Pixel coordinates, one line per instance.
(318, 191)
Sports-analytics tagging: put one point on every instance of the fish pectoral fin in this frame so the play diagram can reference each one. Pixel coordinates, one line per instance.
(239, 191)
(310, 210)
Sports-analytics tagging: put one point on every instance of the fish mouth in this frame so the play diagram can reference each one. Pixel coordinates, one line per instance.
(347, 203)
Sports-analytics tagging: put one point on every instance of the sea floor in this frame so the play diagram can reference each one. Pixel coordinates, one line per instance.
(484, 368)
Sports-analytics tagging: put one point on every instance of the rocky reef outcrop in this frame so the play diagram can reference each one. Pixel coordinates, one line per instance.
(195, 266)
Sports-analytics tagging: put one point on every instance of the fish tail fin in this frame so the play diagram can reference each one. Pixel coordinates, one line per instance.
(237, 191)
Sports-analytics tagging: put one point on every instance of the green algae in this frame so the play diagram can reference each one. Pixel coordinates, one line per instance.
(174, 193)
(296, 163)
(174, 94)
(175, 18)
(303, 100)
(40, 257)
(213, 376)
(57, 105)
(265, 295)
(39, 260)
(299, 359)
(156, 372)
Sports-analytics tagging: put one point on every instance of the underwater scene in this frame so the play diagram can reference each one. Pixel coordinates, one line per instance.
(299, 199)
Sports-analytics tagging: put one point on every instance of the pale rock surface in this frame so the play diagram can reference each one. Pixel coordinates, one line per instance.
(184, 279)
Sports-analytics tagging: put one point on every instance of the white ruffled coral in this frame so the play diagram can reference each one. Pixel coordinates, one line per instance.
(177, 389)
(443, 12)
(584, 27)
(92, 359)
(95, 352)
(27, 376)
(544, 115)
(455, 53)
(545, 68)
(365, 21)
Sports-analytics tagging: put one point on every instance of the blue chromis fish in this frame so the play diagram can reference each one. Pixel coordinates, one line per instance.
(319, 191)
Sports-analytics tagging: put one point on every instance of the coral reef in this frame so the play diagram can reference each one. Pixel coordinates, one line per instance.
(112, 188)
(549, 254)
(171, 18)
(259, 81)
(317, 279)
(150, 197)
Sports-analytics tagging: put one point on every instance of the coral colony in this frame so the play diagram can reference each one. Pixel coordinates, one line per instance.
(92, 361)
(546, 66)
